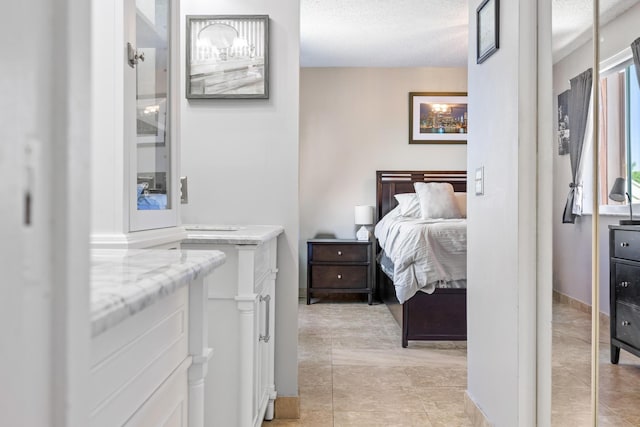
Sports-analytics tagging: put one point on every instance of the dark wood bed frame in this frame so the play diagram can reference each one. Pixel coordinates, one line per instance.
(442, 315)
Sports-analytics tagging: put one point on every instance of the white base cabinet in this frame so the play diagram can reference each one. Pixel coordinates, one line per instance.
(240, 389)
(149, 369)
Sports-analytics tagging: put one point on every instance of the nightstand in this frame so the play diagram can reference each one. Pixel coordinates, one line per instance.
(339, 266)
(624, 287)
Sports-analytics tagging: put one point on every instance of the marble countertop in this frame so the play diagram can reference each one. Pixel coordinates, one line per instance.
(123, 282)
(231, 234)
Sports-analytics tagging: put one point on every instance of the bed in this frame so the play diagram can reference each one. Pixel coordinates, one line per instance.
(437, 316)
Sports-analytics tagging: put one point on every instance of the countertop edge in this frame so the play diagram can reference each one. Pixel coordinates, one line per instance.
(236, 238)
(106, 315)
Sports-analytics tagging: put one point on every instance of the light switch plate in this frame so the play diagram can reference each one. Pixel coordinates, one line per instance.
(479, 181)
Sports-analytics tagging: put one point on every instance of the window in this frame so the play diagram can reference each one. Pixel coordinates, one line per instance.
(619, 147)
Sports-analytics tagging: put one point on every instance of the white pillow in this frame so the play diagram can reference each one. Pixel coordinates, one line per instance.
(437, 200)
(409, 205)
(461, 199)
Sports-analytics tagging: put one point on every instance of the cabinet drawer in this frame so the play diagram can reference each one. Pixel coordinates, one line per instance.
(626, 244)
(339, 276)
(628, 324)
(339, 253)
(627, 282)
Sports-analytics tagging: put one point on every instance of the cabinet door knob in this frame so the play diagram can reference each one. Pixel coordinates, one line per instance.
(624, 244)
(626, 323)
(624, 284)
(339, 276)
(339, 253)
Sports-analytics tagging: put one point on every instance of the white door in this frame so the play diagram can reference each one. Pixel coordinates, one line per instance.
(43, 217)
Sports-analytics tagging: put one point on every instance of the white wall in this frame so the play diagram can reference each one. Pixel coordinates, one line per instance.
(241, 157)
(572, 242)
(354, 121)
(501, 270)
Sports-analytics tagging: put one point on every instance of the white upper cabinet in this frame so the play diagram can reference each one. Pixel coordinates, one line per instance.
(148, 117)
(134, 145)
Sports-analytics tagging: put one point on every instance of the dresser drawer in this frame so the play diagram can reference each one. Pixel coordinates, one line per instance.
(628, 324)
(339, 253)
(627, 282)
(626, 244)
(339, 276)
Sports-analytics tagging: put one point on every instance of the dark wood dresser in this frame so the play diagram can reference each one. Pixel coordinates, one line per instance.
(339, 266)
(624, 288)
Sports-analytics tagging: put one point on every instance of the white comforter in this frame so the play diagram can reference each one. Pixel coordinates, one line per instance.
(424, 252)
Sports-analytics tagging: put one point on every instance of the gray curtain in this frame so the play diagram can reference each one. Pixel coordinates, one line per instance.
(635, 49)
(579, 99)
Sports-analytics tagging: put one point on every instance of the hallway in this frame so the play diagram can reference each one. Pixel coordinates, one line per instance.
(354, 372)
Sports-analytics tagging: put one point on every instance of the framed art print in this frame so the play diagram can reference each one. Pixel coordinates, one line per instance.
(438, 118)
(488, 29)
(227, 56)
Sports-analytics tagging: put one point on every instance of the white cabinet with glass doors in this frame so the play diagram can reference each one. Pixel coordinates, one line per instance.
(135, 200)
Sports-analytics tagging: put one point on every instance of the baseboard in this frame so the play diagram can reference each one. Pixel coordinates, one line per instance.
(572, 302)
(478, 418)
(580, 306)
(287, 408)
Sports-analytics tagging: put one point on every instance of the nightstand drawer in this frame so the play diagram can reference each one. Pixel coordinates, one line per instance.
(339, 276)
(627, 282)
(626, 244)
(628, 324)
(339, 253)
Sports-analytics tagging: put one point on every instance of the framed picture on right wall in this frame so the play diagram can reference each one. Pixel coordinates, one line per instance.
(487, 29)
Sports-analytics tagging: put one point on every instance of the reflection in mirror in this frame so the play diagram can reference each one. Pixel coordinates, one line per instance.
(619, 145)
(152, 88)
(619, 384)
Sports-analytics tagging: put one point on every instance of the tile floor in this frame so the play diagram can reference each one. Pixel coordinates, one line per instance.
(353, 372)
(619, 388)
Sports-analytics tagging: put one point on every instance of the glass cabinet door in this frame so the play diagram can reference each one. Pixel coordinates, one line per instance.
(148, 88)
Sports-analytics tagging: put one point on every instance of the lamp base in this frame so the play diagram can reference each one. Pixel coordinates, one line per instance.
(363, 233)
(630, 222)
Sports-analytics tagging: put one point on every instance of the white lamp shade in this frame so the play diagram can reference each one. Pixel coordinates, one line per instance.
(364, 215)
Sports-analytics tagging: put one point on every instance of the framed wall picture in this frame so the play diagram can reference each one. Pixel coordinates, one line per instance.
(488, 29)
(227, 56)
(563, 123)
(438, 118)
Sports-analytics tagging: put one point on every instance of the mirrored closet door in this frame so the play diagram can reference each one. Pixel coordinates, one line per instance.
(572, 227)
(600, 162)
(618, 122)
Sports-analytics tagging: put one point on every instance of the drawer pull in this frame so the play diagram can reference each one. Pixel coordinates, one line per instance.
(267, 335)
(624, 284)
(624, 244)
(626, 323)
(339, 253)
(339, 276)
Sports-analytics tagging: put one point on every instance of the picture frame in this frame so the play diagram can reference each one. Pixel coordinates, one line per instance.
(564, 129)
(227, 57)
(487, 29)
(151, 121)
(438, 118)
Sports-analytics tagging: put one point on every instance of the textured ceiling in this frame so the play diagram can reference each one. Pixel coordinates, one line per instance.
(383, 33)
(418, 33)
(573, 19)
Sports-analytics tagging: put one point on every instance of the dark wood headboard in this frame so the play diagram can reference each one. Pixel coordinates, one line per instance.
(390, 183)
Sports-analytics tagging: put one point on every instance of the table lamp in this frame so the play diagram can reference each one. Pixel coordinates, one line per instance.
(364, 217)
(618, 193)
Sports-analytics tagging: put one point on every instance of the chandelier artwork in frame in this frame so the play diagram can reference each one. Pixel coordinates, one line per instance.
(227, 56)
(438, 118)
